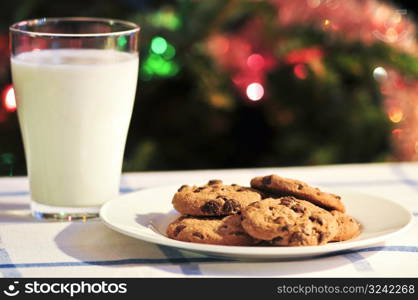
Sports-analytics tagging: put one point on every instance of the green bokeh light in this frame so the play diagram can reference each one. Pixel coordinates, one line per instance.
(164, 69)
(159, 45)
(156, 65)
(122, 41)
(159, 62)
(155, 62)
(166, 19)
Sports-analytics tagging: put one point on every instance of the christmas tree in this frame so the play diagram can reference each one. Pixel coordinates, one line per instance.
(255, 83)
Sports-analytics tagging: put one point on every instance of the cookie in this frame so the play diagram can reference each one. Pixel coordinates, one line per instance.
(210, 230)
(213, 199)
(279, 186)
(288, 221)
(348, 227)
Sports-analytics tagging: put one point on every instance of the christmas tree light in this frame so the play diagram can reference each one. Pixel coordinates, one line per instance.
(122, 41)
(9, 100)
(159, 62)
(255, 91)
(165, 18)
(158, 45)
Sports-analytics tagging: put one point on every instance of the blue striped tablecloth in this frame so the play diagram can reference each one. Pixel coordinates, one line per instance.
(29, 248)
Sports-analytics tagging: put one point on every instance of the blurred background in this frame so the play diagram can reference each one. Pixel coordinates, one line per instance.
(232, 84)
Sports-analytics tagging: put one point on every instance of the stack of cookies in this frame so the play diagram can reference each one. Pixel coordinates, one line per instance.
(274, 211)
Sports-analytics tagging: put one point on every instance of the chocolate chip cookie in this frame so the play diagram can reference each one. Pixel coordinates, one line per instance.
(348, 227)
(288, 221)
(210, 230)
(213, 199)
(279, 186)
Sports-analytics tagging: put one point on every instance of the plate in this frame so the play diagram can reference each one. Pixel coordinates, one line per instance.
(146, 214)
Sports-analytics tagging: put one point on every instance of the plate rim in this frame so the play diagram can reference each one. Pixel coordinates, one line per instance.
(254, 251)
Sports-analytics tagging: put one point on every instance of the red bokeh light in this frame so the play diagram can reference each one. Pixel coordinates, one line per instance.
(9, 100)
(300, 71)
(304, 55)
(256, 61)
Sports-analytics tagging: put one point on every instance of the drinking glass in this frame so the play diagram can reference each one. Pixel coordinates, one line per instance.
(75, 82)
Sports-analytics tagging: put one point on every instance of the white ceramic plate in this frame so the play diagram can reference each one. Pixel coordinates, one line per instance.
(145, 215)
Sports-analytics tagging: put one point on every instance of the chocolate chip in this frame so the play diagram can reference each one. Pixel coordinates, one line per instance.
(214, 181)
(297, 208)
(210, 207)
(321, 237)
(241, 190)
(338, 197)
(178, 229)
(296, 238)
(198, 189)
(231, 206)
(284, 228)
(300, 186)
(234, 184)
(316, 220)
(198, 235)
(286, 201)
(267, 179)
(182, 187)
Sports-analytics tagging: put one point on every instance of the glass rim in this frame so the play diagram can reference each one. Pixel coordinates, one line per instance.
(16, 27)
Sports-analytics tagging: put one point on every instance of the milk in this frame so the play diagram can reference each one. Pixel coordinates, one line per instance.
(74, 108)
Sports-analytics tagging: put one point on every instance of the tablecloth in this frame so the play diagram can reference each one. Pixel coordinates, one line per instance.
(31, 248)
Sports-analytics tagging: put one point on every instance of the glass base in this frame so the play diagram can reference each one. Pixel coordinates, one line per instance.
(58, 213)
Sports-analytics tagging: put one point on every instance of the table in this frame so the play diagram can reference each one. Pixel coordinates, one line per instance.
(31, 248)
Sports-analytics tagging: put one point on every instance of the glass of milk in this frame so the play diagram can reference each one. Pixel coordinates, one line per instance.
(75, 82)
